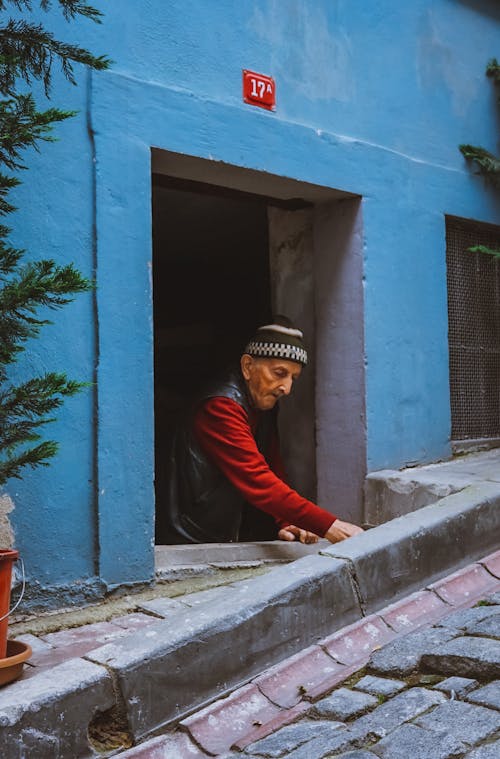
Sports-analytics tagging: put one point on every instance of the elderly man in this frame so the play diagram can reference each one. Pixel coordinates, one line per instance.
(226, 480)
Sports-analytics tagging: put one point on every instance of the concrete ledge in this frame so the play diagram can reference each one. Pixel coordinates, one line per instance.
(413, 550)
(202, 559)
(167, 557)
(391, 493)
(194, 655)
(47, 715)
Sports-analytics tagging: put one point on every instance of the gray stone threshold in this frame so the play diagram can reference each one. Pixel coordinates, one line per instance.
(180, 570)
(157, 676)
(176, 562)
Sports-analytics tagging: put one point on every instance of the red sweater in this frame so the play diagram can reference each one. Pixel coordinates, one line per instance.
(224, 431)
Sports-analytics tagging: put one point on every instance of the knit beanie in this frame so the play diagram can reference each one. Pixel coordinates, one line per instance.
(279, 339)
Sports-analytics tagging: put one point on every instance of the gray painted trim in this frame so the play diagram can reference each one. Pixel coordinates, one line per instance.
(340, 357)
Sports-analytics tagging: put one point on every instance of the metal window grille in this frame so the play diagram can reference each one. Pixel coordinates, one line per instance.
(473, 330)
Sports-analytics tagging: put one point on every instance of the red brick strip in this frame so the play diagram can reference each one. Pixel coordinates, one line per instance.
(465, 586)
(286, 683)
(216, 727)
(325, 686)
(414, 611)
(492, 564)
(356, 642)
(285, 717)
(178, 745)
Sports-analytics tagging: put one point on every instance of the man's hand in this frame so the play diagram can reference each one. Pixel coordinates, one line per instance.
(296, 533)
(341, 530)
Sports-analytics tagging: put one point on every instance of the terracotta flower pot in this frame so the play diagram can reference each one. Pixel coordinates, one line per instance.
(11, 666)
(7, 558)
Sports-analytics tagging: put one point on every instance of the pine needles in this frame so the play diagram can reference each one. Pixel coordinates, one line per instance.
(28, 53)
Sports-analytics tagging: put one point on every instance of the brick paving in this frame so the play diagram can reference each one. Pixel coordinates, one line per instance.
(462, 586)
(286, 683)
(58, 647)
(421, 678)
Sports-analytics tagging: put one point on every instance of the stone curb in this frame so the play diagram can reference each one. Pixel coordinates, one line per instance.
(176, 666)
(288, 689)
(48, 714)
(196, 654)
(181, 664)
(418, 548)
(290, 608)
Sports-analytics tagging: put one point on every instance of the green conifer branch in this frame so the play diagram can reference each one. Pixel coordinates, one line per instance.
(20, 432)
(70, 8)
(22, 126)
(6, 184)
(36, 397)
(41, 283)
(37, 284)
(23, 410)
(27, 53)
(39, 455)
(9, 256)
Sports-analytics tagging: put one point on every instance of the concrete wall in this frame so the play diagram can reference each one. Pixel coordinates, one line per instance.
(293, 291)
(372, 99)
(340, 363)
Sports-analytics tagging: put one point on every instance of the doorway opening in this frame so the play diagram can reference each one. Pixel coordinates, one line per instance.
(232, 247)
(211, 290)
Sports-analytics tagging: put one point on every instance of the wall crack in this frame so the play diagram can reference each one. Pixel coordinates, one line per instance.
(354, 581)
(356, 586)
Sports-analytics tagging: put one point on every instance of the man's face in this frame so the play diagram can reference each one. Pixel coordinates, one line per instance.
(268, 379)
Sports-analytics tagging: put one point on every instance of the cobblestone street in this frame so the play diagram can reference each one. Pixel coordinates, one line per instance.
(433, 694)
(419, 679)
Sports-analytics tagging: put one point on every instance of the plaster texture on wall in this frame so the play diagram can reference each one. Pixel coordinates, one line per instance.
(54, 526)
(292, 282)
(340, 386)
(369, 101)
(6, 532)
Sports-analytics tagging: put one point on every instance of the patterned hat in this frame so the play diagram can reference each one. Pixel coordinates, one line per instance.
(280, 339)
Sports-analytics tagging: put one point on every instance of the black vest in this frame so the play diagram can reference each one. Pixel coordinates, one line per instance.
(202, 505)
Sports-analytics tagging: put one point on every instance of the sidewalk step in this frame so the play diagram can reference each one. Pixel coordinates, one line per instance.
(288, 691)
(160, 673)
(390, 493)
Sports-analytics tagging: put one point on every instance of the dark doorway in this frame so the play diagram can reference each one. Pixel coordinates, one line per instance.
(211, 289)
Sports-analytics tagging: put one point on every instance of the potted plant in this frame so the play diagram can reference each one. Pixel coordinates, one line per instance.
(13, 653)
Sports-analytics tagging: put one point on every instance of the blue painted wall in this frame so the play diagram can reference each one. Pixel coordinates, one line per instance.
(372, 98)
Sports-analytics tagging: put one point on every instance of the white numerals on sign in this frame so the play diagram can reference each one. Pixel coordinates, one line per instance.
(258, 89)
(258, 84)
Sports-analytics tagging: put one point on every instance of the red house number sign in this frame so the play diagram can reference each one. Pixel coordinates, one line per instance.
(259, 89)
